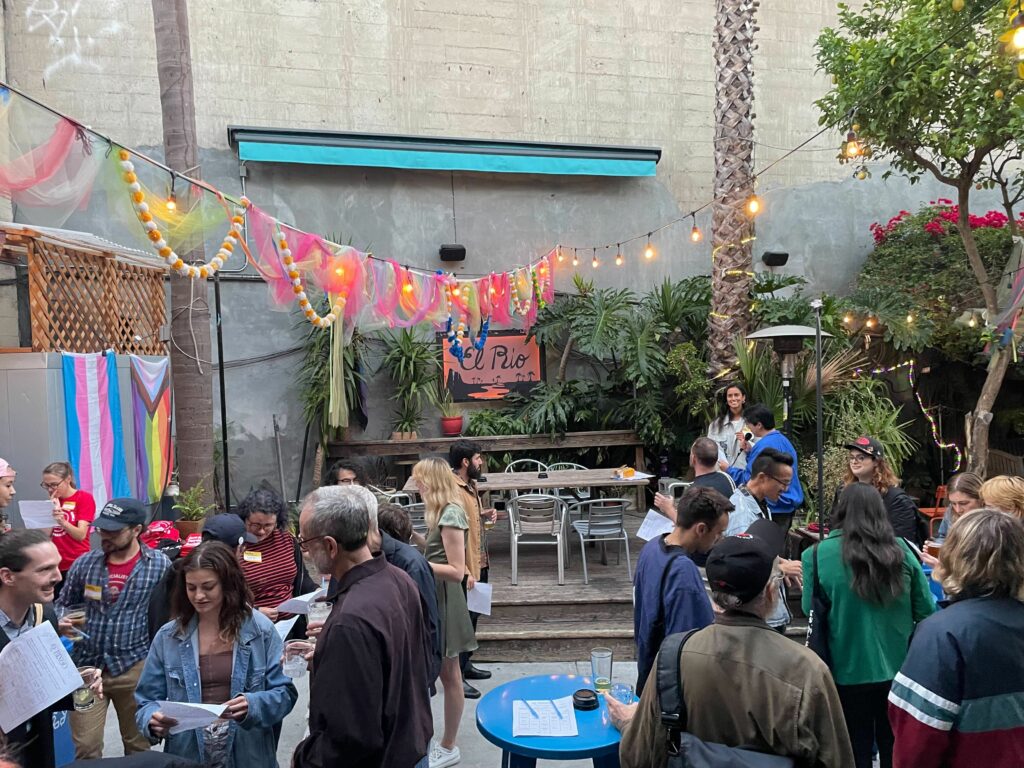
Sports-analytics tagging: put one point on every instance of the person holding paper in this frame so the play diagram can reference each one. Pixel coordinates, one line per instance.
(368, 705)
(668, 591)
(218, 649)
(28, 574)
(73, 512)
(116, 585)
(272, 564)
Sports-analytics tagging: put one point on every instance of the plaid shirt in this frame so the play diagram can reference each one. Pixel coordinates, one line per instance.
(118, 630)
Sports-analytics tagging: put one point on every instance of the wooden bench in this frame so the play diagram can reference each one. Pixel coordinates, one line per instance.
(1003, 463)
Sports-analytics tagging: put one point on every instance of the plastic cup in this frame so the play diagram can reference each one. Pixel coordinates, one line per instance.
(622, 692)
(319, 611)
(601, 668)
(295, 663)
(84, 698)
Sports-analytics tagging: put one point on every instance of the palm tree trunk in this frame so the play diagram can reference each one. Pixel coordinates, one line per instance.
(733, 183)
(190, 324)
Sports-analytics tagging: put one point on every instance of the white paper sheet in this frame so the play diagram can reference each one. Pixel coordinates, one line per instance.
(301, 603)
(37, 514)
(546, 717)
(191, 716)
(35, 672)
(654, 524)
(478, 599)
(284, 627)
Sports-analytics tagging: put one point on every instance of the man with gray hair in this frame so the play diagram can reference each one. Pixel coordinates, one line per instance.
(367, 702)
(743, 684)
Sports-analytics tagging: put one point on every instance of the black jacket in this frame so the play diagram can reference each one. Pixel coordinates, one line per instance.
(902, 512)
(32, 741)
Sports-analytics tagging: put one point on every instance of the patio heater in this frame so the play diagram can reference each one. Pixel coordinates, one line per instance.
(788, 342)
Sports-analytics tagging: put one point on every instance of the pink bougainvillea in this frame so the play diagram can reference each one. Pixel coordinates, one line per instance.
(944, 221)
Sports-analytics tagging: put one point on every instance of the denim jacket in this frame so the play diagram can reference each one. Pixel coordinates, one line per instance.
(172, 674)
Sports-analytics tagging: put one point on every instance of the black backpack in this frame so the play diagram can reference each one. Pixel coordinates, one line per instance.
(684, 749)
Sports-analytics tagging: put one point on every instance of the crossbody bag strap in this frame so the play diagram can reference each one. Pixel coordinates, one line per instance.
(670, 688)
(819, 592)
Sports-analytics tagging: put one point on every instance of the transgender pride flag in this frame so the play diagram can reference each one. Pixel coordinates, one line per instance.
(92, 410)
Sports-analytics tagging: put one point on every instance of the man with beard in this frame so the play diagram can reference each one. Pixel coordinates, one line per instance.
(368, 705)
(467, 463)
(29, 564)
(115, 585)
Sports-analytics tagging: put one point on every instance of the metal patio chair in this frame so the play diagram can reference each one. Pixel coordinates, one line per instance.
(601, 520)
(537, 519)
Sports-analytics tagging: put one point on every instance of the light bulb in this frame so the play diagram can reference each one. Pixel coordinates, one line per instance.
(1018, 38)
(870, 323)
(649, 251)
(575, 260)
(852, 148)
(754, 205)
(910, 318)
(456, 291)
(618, 259)
(972, 322)
(847, 319)
(172, 203)
(595, 263)
(340, 272)
(559, 256)
(407, 288)
(695, 234)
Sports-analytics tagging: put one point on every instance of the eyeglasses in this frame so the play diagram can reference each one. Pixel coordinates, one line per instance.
(303, 543)
(257, 527)
(856, 458)
(346, 481)
(51, 486)
(784, 483)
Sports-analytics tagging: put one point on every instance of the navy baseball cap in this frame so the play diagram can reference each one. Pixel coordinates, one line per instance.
(869, 446)
(227, 528)
(741, 565)
(118, 514)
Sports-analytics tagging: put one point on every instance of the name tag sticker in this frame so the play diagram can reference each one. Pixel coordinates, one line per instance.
(69, 505)
(93, 592)
(252, 557)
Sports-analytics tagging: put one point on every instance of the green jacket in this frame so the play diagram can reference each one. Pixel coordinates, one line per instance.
(868, 640)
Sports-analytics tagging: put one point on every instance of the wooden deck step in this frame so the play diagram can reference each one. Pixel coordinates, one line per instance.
(564, 641)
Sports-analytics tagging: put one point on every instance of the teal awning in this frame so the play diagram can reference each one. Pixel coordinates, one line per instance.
(267, 145)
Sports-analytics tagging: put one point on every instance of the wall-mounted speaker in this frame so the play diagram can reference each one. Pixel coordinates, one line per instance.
(774, 258)
(452, 252)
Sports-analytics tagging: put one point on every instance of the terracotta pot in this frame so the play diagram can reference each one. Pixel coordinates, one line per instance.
(451, 426)
(185, 527)
(403, 435)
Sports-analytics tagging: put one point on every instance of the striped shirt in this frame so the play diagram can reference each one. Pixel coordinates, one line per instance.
(118, 629)
(270, 569)
(958, 701)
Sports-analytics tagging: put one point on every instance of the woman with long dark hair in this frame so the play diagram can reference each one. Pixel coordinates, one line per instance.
(727, 429)
(218, 650)
(878, 593)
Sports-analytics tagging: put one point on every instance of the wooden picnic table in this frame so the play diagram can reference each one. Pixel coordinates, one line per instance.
(559, 478)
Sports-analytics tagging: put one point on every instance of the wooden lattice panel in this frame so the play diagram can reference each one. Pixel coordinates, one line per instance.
(85, 301)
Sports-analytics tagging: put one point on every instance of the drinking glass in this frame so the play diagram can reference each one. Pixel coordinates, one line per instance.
(622, 692)
(295, 657)
(75, 614)
(84, 698)
(601, 668)
(319, 610)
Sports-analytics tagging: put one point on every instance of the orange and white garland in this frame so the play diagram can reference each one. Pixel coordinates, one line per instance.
(163, 249)
(284, 253)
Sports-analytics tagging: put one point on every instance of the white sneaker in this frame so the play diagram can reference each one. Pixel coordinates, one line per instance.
(441, 757)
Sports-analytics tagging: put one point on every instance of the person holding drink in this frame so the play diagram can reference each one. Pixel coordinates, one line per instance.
(28, 575)
(216, 650)
(447, 541)
(73, 512)
(727, 429)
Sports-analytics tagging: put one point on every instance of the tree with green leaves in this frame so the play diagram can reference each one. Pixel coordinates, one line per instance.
(931, 90)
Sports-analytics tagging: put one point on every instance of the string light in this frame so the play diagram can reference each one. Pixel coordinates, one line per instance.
(618, 255)
(649, 250)
(754, 205)
(595, 263)
(911, 366)
(847, 319)
(558, 251)
(910, 319)
(695, 234)
(172, 203)
(870, 322)
(575, 258)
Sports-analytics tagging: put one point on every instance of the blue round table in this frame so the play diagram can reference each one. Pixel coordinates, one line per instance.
(598, 739)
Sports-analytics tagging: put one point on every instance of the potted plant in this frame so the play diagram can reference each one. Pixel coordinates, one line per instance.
(451, 419)
(412, 364)
(192, 508)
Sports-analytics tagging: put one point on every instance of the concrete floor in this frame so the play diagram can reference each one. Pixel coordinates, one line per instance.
(477, 752)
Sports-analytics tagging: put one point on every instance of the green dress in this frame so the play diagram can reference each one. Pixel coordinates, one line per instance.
(456, 629)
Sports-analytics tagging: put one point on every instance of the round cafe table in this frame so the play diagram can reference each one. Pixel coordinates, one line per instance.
(597, 738)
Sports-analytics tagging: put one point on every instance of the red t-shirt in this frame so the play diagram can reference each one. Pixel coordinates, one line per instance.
(118, 574)
(77, 507)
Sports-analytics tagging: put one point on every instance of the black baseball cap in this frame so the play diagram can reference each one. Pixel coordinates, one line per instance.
(121, 513)
(741, 565)
(227, 528)
(867, 445)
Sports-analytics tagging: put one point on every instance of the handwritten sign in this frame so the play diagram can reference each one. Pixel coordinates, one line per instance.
(508, 363)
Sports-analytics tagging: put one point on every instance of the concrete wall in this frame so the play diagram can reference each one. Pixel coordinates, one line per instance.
(593, 71)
